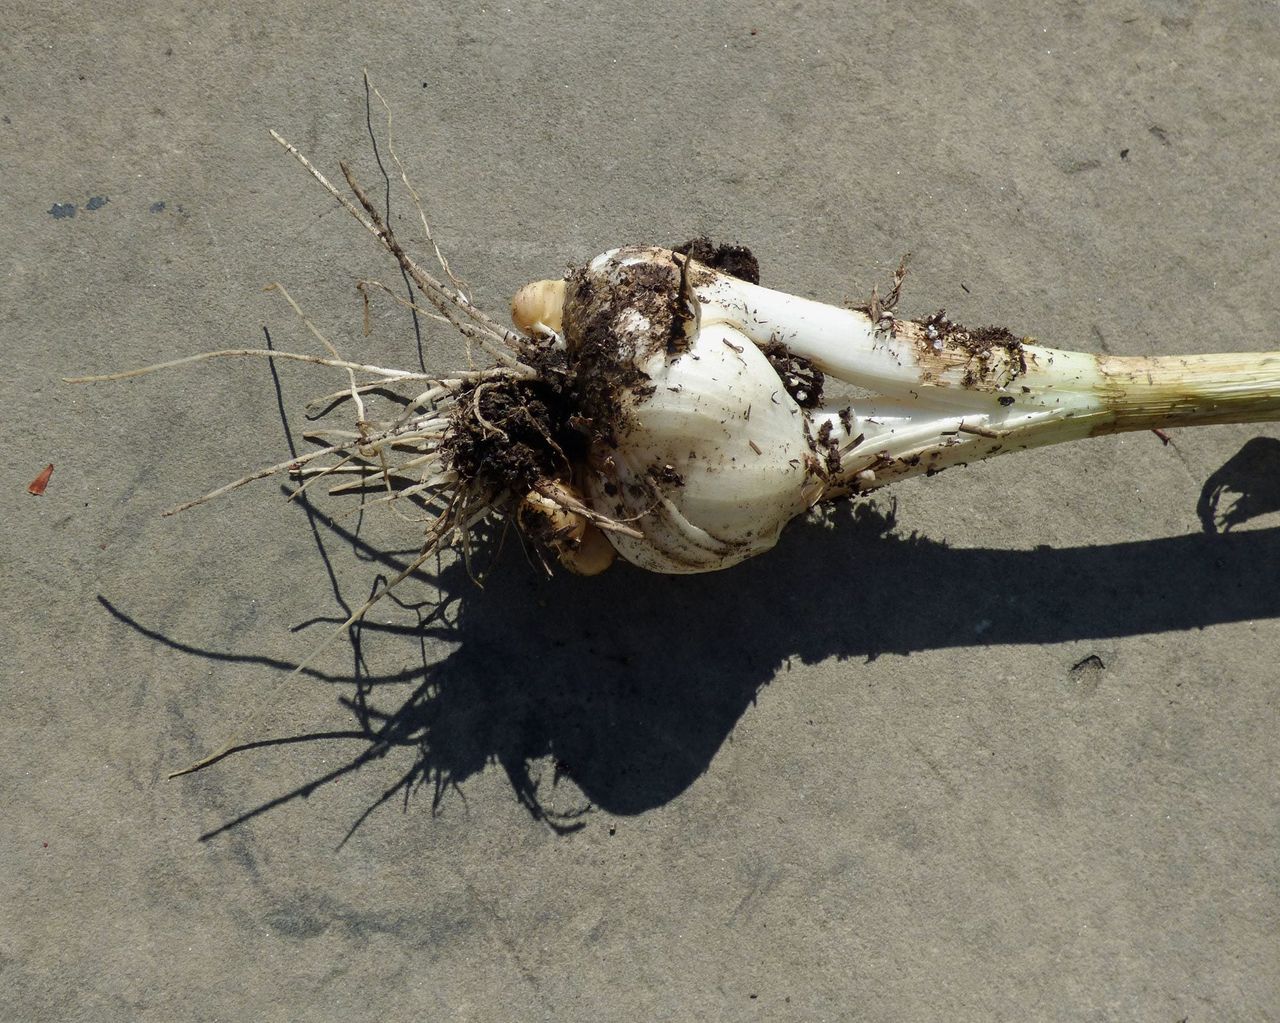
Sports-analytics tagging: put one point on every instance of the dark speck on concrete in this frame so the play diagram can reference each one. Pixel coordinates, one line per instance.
(62, 210)
(157, 207)
(1087, 674)
(6, 119)
(96, 202)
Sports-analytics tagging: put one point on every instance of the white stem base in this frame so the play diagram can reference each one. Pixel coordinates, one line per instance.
(944, 396)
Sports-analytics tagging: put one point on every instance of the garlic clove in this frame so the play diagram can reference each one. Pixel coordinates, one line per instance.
(578, 545)
(541, 302)
(593, 554)
(549, 522)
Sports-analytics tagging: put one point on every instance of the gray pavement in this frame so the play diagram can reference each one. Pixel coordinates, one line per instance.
(1003, 750)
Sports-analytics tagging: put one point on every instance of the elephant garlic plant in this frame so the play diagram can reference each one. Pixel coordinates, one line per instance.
(661, 405)
(701, 394)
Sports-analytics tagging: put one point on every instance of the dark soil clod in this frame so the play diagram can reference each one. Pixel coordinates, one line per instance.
(520, 436)
(801, 378)
(734, 260)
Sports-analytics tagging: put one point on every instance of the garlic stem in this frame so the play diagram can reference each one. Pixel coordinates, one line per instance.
(943, 396)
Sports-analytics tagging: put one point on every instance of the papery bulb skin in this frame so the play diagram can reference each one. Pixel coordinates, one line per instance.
(694, 439)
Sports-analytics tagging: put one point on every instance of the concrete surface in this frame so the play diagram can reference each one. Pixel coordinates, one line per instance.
(1008, 755)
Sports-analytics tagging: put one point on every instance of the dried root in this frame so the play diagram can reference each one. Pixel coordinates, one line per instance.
(456, 449)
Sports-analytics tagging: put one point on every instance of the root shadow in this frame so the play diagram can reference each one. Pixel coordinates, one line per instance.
(628, 683)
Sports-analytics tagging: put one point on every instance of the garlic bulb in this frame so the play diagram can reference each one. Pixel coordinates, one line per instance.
(695, 440)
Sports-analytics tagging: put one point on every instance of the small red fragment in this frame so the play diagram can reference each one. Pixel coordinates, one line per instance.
(37, 485)
(1164, 437)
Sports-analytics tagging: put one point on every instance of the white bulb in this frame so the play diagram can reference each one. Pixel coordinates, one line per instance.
(711, 456)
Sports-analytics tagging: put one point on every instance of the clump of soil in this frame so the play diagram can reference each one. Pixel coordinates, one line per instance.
(826, 444)
(801, 378)
(981, 349)
(612, 328)
(509, 435)
(985, 338)
(734, 260)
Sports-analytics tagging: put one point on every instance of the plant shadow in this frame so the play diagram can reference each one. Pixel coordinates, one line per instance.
(1252, 473)
(629, 683)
